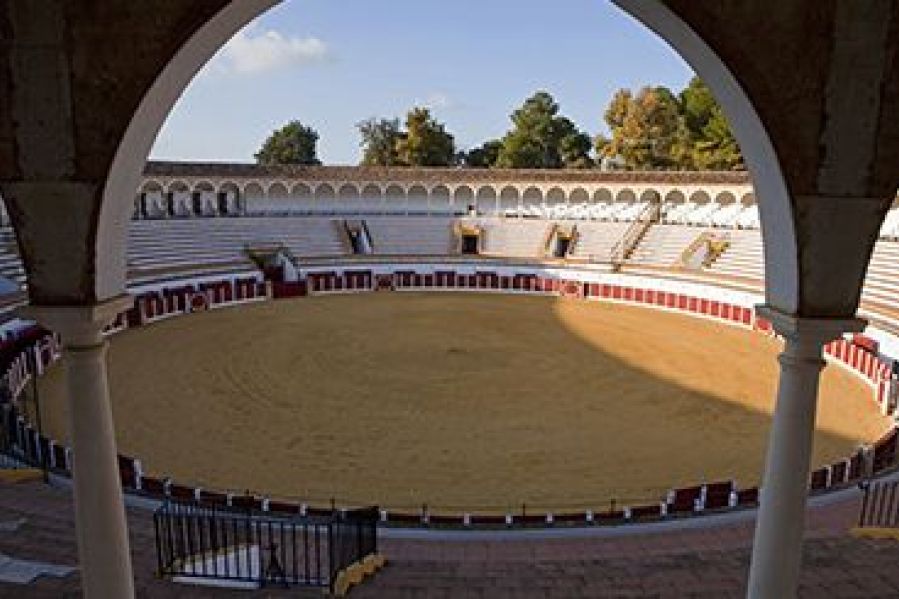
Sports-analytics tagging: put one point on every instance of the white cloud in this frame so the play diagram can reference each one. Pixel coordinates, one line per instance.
(247, 53)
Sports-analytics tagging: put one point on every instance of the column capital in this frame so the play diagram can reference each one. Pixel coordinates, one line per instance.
(79, 325)
(812, 330)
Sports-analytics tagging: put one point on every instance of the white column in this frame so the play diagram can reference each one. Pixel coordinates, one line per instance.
(103, 549)
(777, 548)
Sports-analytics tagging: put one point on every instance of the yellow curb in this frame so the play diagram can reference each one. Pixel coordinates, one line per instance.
(873, 532)
(20, 475)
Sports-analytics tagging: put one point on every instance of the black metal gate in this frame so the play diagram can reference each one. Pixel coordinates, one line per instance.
(210, 543)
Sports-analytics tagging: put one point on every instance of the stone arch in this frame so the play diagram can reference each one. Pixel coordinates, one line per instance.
(372, 198)
(776, 210)
(178, 198)
(177, 186)
(650, 195)
(603, 195)
(556, 195)
(202, 201)
(229, 199)
(395, 199)
(675, 196)
(441, 202)
(204, 186)
(508, 199)
(748, 199)
(348, 198)
(348, 192)
(300, 190)
(125, 171)
(700, 196)
(417, 199)
(532, 196)
(151, 186)
(725, 197)
(579, 195)
(150, 202)
(277, 191)
(463, 197)
(301, 198)
(626, 195)
(486, 200)
(253, 190)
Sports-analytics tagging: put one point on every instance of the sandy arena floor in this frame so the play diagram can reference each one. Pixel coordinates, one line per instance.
(455, 400)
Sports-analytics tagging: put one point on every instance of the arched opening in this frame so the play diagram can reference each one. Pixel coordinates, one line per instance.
(395, 200)
(418, 201)
(276, 198)
(177, 199)
(556, 205)
(463, 199)
(579, 203)
(486, 201)
(203, 199)
(151, 200)
(782, 279)
(254, 196)
(372, 200)
(229, 200)
(532, 202)
(325, 198)
(301, 198)
(348, 198)
(508, 201)
(441, 200)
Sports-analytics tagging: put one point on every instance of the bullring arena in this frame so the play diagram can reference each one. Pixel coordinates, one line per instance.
(459, 345)
(464, 350)
(463, 402)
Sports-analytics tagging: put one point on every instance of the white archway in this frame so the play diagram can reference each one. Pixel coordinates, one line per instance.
(775, 206)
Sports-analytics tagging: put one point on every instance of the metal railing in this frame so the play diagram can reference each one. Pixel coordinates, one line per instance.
(880, 504)
(249, 548)
(623, 247)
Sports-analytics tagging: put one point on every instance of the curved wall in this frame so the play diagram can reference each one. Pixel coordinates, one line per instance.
(733, 308)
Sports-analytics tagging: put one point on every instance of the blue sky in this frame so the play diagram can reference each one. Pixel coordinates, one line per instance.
(333, 63)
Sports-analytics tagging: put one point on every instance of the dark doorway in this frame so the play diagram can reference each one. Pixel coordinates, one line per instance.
(470, 244)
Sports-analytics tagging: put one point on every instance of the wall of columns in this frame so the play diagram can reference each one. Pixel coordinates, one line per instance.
(160, 197)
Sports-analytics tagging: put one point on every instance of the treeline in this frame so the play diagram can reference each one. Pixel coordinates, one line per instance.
(650, 129)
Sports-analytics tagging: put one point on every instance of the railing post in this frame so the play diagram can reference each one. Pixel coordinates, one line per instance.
(866, 487)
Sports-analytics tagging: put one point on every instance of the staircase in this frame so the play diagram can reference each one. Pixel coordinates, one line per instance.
(622, 250)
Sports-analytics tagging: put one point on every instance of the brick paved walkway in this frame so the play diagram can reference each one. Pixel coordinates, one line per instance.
(707, 561)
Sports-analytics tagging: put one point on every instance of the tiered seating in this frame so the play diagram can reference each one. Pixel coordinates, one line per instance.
(711, 214)
(411, 235)
(10, 264)
(890, 228)
(882, 280)
(209, 242)
(596, 239)
(744, 257)
(663, 245)
(515, 238)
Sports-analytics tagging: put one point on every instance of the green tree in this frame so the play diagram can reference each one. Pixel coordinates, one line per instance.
(485, 155)
(647, 129)
(655, 129)
(426, 142)
(294, 143)
(536, 138)
(379, 141)
(697, 105)
(717, 148)
(574, 146)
